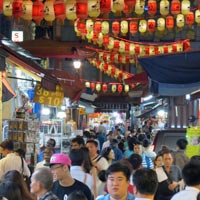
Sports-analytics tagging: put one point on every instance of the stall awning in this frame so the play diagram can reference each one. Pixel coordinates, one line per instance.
(25, 61)
(173, 74)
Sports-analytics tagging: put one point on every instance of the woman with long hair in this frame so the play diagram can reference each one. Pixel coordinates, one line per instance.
(108, 154)
(15, 177)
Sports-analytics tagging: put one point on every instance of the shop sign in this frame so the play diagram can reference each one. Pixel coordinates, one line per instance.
(17, 36)
(46, 97)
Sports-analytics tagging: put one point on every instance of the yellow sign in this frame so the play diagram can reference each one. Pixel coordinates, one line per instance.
(46, 97)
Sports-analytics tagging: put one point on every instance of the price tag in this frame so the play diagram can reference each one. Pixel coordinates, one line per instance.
(46, 97)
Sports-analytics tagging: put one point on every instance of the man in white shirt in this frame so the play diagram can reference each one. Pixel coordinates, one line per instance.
(11, 161)
(191, 176)
(145, 184)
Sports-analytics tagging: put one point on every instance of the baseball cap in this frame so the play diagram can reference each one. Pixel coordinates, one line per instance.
(60, 158)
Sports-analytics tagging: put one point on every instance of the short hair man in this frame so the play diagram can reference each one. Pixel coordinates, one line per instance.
(191, 176)
(117, 180)
(77, 142)
(11, 161)
(41, 184)
(65, 184)
(145, 183)
(169, 178)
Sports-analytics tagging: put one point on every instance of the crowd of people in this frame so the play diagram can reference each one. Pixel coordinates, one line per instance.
(112, 165)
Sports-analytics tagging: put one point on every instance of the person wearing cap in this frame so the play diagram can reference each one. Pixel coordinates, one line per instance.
(11, 161)
(65, 184)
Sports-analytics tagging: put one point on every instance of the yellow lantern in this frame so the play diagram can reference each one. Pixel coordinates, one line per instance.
(111, 43)
(139, 7)
(160, 49)
(161, 24)
(180, 21)
(132, 60)
(197, 16)
(151, 50)
(123, 59)
(185, 7)
(78, 33)
(89, 35)
(89, 25)
(27, 9)
(116, 58)
(87, 84)
(169, 48)
(71, 9)
(164, 7)
(114, 88)
(124, 27)
(49, 14)
(143, 26)
(132, 49)
(98, 87)
(121, 46)
(126, 88)
(100, 39)
(118, 6)
(109, 69)
(7, 8)
(105, 27)
(93, 8)
(117, 73)
(179, 47)
(101, 55)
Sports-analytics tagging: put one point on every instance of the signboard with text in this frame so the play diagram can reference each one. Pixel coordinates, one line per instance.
(17, 36)
(46, 97)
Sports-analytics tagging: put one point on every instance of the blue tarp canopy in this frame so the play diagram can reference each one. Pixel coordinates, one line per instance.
(173, 74)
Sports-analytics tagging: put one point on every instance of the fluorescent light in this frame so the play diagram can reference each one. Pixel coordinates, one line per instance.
(147, 98)
(45, 111)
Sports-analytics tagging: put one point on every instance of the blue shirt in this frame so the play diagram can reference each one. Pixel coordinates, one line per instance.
(107, 197)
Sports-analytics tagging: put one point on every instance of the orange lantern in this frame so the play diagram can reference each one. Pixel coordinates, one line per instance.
(164, 7)
(17, 8)
(105, 87)
(49, 14)
(197, 16)
(82, 9)
(71, 9)
(190, 18)
(105, 27)
(105, 40)
(114, 88)
(151, 25)
(93, 8)
(180, 21)
(185, 7)
(97, 27)
(161, 24)
(38, 11)
(7, 8)
(27, 9)
(98, 87)
(152, 7)
(120, 88)
(139, 7)
(87, 84)
(105, 6)
(133, 27)
(92, 86)
(124, 27)
(175, 7)
(169, 22)
(115, 28)
(60, 10)
(142, 26)
(126, 88)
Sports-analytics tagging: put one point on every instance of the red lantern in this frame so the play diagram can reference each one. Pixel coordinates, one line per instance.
(156, 50)
(60, 10)
(92, 86)
(1, 6)
(81, 26)
(82, 9)
(113, 71)
(105, 67)
(130, 3)
(105, 6)
(175, 7)
(119, 88)
(115, 28)
(105, 40)
(152, 7)
(17, 8)
(169, 22)
(146, 50)
(174, 48)
(116, 44)
(127, 47)
(95, 37)
(38, 11)
(112, 58)
(190, 18)
(151, 25)
(105, 59)
(137, 49)
(186, 45)
(120, 76)
(97, 27)
(105, 87)
(165, 48)
(119, 58)
(133, 27)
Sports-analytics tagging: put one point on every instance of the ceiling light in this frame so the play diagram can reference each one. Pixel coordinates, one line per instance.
(77, 64)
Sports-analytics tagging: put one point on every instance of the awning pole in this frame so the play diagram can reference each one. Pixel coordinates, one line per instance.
(1, 106)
